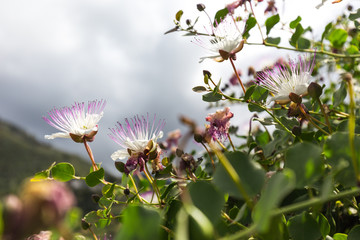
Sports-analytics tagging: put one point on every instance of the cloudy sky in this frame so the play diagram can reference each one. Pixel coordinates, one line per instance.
(56, 52)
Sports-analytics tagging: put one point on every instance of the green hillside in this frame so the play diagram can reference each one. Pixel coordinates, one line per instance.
(21, 156)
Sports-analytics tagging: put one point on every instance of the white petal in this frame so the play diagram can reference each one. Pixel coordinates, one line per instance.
(120, 154)
(57, 135)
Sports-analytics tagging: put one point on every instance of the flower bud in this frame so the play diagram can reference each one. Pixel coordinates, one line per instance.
(314, 90)
(206, 72)
(84, 224)
(200, 7)
(179, 152)
(296, 130)
(95, 198)
(198, 137)
(126, 192)
(295, 98)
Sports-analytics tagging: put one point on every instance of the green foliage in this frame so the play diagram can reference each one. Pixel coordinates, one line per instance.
(294, 174)
(305, 160)
(250, 23)
(94, 178)
(303, 227)
(251, 175)
(338, 37)
(63, 172)
(139, 222)
(220, 15)
(271, 22)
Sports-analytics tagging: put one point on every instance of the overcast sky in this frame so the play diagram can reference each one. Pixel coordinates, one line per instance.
(56, 52)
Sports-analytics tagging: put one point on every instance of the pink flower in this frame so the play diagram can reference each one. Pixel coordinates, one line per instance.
(219, 124)
(76, 122)
(137, 141)
(283, 80)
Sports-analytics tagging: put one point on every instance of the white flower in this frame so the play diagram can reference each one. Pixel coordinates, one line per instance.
(283, 80)
(224, 41)
(135, 138)
(76, 121)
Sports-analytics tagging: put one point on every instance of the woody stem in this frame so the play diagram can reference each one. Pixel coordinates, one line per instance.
(237, 75)
(88, 149)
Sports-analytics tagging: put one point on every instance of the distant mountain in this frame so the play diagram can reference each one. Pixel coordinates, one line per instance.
(21, 156)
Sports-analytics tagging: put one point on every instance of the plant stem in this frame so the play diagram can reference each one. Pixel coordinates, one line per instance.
(325, 115)
(88, 149)
(152, 182)
(237, 75)
(275, 118)
(311, 121)
(136, 190)
(231, 143)
(336, 55)
(352, 128)
(207, 150)
(232, 173)
(252, 11)
(295, 207)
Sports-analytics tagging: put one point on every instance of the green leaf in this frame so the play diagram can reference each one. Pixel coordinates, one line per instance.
(91, 217)
(260, 94)
(303, 227)
(339, 95)
(220, 15)
(271, 22)
(252, 176)
(338, 37)
(250, 23)
(179, 15)
(303, 43)
(326, 31)
(63, 172)
(277, 229)
(295, 37)
(168, 189)
(340, 236)
(293, 24)
(139, 222)
(354, 16)
(94, 178)
(323, 225)
(255, 108)
(212, 97)
(338, 155)
(305, 160)
(40, 176)
(277, 188)
(249, 92)
(271, 40)
(354, 233)
(352, 50)
(200, 193)
(108, 190)
(199, 89)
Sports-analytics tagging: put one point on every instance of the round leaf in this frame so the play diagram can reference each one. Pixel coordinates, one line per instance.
(63, 172)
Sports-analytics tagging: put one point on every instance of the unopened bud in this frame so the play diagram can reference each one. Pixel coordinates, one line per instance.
(200, 7)
(206, 72)
(198, 137)
(84, 224)
(95, 198)
(126, 191)
(179, 152)
(188, 22)
(314, 90)
(251, 71)
(347, 77)
(295, 98)
(296, 130)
